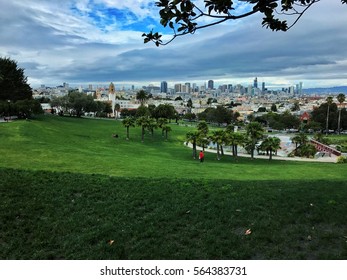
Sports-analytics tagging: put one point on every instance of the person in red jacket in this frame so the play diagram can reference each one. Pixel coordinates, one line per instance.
(201, 156)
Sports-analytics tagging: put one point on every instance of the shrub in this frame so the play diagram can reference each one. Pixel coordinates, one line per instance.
(341, 159)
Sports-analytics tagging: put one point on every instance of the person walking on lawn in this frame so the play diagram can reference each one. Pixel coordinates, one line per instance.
(201, 156)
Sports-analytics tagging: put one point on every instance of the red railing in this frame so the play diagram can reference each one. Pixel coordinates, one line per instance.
(325, 148)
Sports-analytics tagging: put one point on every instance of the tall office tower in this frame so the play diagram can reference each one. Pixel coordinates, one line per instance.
(183, 88)
(178, 88)
(230, 87)
(263, 87)
(163, 86)
(255, 84)
(300, 88)
(210, 84)
(194, 88)
(250, 90)
(223, 88)
(188, 89)
(90, 87)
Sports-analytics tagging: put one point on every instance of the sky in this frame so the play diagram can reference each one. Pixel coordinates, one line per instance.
(100, 41)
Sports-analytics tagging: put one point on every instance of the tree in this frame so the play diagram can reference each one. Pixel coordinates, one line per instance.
(79, 102)
(234, 139)
(164, 111)
(167, 129)
(329, 102)
(13, 82)
(295, 107)
(299, 140)
(128, 113)
(162, 122)
(142, 111)
(273, 107)
(340, 98)
(270, 145)
(151, 125)
(319, 115)
(308, 150)
(108, 108)
(203, 128)
(220, 115)
(192, 137)
(190, 105)
(144, 123)
(142, 96)
(255, 132)
(186, 17)
(203, 131)
(218, 138)
(127, 123)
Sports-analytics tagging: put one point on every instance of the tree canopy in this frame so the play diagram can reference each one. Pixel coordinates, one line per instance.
(13, 82)
(187, 16)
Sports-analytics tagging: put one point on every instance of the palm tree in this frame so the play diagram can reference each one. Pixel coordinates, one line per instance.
(217, 137)
(255, 132)
(192, 137)
(128, 122)
(143, 122)
(329, 102)
(299, 139)
(203, 131)
(151, 125)
(340, 98)
(162, 122)
(234, 139)
(167, 129)
(142, 96)
(270, 145)
(308, 150)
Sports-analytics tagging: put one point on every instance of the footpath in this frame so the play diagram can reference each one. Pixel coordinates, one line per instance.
(329, 159)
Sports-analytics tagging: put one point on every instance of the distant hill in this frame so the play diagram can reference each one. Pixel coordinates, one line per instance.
(340, 89)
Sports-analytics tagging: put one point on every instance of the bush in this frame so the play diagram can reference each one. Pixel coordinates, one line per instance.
(341, 159)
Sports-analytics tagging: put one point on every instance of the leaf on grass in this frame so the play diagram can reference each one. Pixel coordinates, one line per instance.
(238, 210)
(248, 232)
(110, 242)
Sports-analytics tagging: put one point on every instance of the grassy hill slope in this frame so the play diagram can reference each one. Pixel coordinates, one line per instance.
(68, 188)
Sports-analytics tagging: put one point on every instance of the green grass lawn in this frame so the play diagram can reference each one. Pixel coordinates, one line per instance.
(68, 187)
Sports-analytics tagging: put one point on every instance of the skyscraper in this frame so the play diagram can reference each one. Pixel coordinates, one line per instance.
(255, 84)
(210, 84)
(163, 86)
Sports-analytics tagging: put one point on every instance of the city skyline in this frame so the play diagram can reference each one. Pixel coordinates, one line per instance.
(96, 42)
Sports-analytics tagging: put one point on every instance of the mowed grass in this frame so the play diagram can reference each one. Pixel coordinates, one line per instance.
(87, 146)
(67, 188)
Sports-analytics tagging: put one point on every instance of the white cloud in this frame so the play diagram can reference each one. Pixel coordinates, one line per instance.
(61, 41)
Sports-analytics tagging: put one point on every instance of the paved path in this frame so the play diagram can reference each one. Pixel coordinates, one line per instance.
(331, 159)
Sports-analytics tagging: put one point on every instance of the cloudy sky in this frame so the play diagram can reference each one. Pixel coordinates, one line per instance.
(96, 42)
